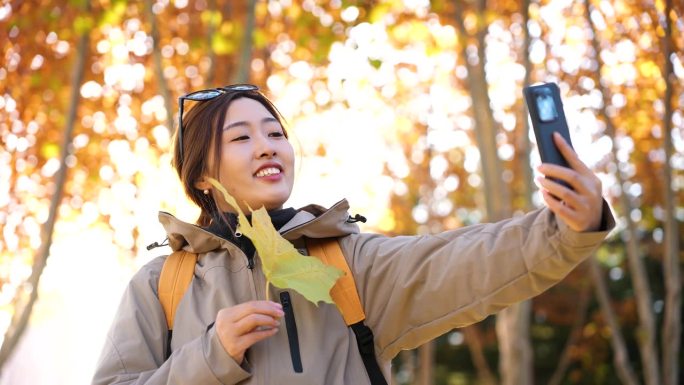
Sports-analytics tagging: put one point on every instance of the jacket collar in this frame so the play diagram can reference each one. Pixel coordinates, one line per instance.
(312, 221)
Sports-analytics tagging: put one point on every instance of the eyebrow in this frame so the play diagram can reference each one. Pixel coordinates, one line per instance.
(269, 119)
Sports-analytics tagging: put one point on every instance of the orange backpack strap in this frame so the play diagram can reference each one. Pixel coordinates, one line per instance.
(174, 280)
(344, 292)
(346, 297)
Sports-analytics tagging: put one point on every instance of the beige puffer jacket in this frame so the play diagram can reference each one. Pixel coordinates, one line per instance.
(413, 289)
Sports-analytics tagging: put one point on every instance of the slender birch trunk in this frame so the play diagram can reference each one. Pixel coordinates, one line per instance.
(620, 356)
(211, 54)
(485, 126)
(524, 144)
(27, 294)
(159, 67)
(512, 325)
(426, 359)
(426, 352)
(245, 58)
(672, 319)
(407, 368)
(647, 333)
(472, 338)
(575, 331)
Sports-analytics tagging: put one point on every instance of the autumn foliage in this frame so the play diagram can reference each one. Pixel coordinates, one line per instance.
(417, 82)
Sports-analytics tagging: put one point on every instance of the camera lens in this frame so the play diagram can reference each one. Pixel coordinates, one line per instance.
(545, 106)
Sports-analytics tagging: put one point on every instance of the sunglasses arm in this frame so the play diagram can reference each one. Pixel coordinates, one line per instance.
(180, 128)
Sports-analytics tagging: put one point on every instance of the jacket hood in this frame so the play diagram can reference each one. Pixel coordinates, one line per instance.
(312, 221)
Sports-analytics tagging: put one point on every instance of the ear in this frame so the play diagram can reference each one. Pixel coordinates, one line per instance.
(203, 184)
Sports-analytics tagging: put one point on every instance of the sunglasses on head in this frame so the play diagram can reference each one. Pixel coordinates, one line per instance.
(203, 95)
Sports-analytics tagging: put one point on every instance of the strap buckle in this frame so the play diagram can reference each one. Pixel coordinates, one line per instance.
(364, 338)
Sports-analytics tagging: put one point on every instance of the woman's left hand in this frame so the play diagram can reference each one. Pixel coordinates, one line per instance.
(580, 207)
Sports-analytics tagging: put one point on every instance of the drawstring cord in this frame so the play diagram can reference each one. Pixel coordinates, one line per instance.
(154, 245)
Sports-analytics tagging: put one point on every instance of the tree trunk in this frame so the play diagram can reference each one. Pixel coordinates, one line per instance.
(524, 145)
(672, 319)
(211, 54)
(515, 349)
(158, 67)
(575, 332)
(408, 367)
(485, 126)
(30, 288)
(620, 356)
(245, 58)
(426, 358)
(513, 322)
(472, 338)
(524, 140)
(642, 292)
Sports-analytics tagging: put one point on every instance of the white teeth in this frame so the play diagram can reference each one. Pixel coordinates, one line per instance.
(268, 171)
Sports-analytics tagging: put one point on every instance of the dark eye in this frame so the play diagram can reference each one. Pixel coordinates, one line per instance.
(240, 138)
(276, 134)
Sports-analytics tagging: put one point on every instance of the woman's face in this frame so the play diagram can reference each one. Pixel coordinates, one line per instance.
(257, 160)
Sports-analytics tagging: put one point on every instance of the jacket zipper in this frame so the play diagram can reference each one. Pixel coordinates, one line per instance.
(252, 281)
(291, 326)
(250, 258)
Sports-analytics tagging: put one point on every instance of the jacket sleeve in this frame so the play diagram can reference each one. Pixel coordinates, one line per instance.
(416, 288)
(134, 349)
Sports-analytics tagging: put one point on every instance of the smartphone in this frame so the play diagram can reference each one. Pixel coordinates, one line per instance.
(546, 112)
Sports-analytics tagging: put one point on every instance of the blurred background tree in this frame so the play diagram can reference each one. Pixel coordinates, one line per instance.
(412, 109)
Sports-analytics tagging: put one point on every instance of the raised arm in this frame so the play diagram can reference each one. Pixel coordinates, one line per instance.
(417, 288)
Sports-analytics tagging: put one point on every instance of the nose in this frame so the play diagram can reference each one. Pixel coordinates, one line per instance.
(264, 148)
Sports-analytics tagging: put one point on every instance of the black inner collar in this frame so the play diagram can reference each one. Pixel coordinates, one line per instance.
(224, 226)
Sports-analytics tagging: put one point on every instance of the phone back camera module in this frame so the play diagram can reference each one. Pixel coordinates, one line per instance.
(545, 106)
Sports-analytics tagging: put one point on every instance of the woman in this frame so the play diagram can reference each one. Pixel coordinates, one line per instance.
(413, 288)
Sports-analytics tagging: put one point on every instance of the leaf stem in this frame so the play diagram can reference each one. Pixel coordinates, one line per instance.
(268, 294)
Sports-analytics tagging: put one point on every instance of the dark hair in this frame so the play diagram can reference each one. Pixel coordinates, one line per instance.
(203, 127)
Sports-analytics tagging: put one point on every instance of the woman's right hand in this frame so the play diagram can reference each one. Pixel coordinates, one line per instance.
(241, 326)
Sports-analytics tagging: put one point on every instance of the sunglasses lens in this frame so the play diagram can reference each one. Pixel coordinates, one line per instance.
(242, 87)
(203, 95)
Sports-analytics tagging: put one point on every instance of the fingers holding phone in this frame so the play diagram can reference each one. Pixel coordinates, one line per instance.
(570, 189)
(573, 193)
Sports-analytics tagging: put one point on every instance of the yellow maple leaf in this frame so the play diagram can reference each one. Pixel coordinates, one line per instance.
(283, 266)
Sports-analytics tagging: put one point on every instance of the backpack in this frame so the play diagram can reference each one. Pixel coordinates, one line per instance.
(179, 268)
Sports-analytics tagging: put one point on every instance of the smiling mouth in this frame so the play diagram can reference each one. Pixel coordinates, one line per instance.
(268, 171)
